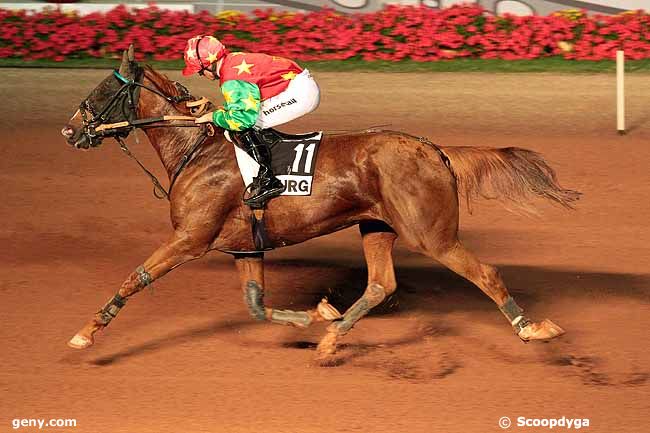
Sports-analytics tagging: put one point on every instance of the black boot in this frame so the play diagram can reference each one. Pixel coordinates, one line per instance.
(265, 185)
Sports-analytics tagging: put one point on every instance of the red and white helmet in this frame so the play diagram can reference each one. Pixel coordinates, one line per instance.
(201, 52)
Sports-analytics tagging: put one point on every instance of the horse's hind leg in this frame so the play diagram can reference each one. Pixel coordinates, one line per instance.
(251, 276)
(175, 252)
(378, 243)
(457, 258)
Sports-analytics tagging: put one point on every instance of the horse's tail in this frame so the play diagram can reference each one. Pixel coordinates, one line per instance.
(510, 173)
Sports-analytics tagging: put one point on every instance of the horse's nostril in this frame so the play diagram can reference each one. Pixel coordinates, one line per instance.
(67, 131)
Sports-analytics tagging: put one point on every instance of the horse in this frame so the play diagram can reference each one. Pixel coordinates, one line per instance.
(359, 180)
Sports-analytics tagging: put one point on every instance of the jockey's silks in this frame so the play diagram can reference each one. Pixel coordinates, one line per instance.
(270, 73)
(246, 79)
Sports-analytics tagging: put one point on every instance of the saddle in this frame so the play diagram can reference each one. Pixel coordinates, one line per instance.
(293, 159)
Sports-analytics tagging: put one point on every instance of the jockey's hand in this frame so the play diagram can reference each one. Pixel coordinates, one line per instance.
(206, 118)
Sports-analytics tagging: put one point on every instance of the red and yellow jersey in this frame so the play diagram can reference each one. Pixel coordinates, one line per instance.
(270, 74)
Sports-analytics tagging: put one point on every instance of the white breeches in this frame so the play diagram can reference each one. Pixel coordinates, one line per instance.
(302, 96)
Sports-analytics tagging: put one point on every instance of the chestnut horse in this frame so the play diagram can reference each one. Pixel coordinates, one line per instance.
(389, 183)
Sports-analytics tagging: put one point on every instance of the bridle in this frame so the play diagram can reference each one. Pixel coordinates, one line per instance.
(126, 99)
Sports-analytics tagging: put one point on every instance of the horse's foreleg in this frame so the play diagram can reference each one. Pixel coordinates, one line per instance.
(377, 249)
(251, 275)
(176, 252)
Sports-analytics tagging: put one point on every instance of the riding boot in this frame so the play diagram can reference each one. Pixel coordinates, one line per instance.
(265, 185)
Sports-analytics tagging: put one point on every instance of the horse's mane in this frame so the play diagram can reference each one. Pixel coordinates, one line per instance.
(161, 81)
(172, 88)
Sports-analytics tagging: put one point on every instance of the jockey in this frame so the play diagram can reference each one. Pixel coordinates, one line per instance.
(260, 91)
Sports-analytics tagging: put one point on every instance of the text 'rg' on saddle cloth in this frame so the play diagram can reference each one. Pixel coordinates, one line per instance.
(293, 161)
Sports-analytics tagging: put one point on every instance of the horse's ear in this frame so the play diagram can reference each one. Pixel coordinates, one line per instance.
(124, 67)
(131, 53)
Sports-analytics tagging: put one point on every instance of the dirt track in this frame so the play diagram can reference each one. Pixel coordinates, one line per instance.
(439, 358)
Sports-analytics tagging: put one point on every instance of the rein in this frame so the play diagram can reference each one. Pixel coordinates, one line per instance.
(96, 126)
(96, 129)
(158, 190)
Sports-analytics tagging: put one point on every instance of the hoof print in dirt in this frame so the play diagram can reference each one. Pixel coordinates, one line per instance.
(583, 367)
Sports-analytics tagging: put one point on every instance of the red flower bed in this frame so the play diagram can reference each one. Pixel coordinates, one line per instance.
(395, 33)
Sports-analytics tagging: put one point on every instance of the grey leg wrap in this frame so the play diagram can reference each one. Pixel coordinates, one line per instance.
(288, 317)
(144, 277)
(372, 297)
(110, 310)
(515, 314)
(254, 298)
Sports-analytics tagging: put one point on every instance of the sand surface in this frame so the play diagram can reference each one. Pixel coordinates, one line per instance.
(439, 357)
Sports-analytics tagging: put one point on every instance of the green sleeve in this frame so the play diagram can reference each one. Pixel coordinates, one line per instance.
(242, 105)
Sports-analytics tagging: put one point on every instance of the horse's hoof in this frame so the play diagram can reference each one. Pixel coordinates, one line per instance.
(544, 330)
(327, 311)
(80, 342)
